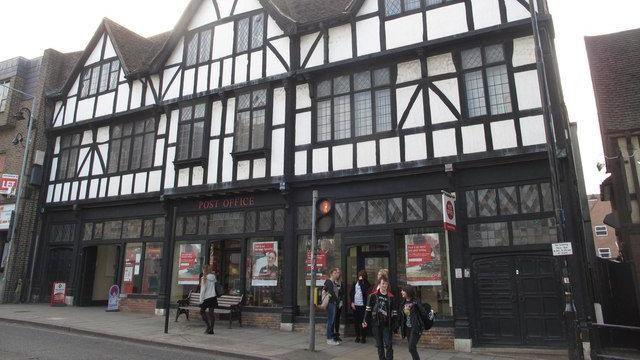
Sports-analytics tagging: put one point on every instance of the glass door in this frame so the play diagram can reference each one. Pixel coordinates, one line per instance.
(225, 260)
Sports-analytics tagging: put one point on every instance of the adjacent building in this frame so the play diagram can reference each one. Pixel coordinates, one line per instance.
(604, 236)
(203, 145)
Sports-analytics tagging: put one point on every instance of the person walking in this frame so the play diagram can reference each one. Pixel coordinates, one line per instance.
(209, 289)
(358, 296)
(411, 324)
(333, 290)
(381, 313)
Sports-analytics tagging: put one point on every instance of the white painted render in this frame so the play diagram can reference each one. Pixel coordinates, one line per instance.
(503, 134)
(446, 21)
(532, 130)
(528, 90)
(403, 31)
(486, 13)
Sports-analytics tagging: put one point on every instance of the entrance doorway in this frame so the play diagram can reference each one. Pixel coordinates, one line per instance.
(225, 259)
(99, 272)
(59, 265)
(370, 258)
(518, 301)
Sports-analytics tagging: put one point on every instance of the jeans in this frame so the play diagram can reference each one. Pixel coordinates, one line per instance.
(359, 317)
(414, 337)
(384, 342)
(331, 320)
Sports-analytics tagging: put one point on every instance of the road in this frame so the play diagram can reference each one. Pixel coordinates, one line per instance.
(21, 342)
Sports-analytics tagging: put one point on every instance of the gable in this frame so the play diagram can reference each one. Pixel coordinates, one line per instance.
(210, 11)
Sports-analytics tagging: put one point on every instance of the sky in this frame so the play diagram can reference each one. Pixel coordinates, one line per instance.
(67, 25)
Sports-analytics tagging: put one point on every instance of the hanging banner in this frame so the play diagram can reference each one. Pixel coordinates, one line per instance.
(423, 259)
(265, 264)
(449, 211)
(189, 267)
(58, 293)
(114, 298)
(8, 184)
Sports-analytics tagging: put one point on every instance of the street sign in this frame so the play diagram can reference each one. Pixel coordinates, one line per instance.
(562, 249)
(449, 211)
(8, 184)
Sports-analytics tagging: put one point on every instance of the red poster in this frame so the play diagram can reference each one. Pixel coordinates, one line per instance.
(58, 293)
(189, 267)
(423, 260)
(321, 267)
(265, 264)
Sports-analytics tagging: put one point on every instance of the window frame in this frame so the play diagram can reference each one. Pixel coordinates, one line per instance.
(197, 34)
(4, 95)
(69, 149)
(403, 11)
(89, 70)
(131, 137)
(601, 253)
(602, 227)
(250, 30)
(462, 73)
(250, 109)
(373, 89)
(206, 120)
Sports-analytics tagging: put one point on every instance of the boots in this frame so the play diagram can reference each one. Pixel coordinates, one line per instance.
(211, 322)
(205, 318)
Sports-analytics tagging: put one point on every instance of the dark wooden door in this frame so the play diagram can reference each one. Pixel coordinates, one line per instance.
(59, 266)
(89, 257)
(518, 301)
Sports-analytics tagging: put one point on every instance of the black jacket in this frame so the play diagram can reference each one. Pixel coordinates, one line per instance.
(375, 305)
(331, 289)
(415, 318)
(364, 286)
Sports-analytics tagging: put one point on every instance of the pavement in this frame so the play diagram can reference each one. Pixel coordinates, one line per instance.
(245, 342)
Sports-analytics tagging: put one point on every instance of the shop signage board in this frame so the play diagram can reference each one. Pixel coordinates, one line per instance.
(449, 211)
(58, 293)
(423, 259)
(114, 299)
(227, 203)
(562, 249)
(5, 215)
(8, 184)
(189, 267)
(265, 264)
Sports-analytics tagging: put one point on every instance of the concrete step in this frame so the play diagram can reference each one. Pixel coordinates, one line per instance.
(619, 354)
(523, 353)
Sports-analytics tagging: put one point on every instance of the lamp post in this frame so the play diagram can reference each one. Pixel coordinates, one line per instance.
(21, 181)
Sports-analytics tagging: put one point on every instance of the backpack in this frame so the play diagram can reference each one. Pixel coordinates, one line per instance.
(427, 317)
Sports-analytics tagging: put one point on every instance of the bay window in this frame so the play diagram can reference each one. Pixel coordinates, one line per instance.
(132, 146)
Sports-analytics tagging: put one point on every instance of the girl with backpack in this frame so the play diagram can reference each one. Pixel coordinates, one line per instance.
(381, 313)
(413, 317)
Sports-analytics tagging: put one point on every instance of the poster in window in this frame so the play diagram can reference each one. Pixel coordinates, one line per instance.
(325, 254)
(189, 268)
(265, 264)
(423, 259)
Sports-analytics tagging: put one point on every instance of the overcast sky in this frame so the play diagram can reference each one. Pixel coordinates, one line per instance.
(67, 25)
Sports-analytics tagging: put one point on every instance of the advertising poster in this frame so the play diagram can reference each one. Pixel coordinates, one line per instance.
(114, 298)
(326, 254)
(5, 216)
(189, 267)
(423, 259)
(265, 264)
(58, 293)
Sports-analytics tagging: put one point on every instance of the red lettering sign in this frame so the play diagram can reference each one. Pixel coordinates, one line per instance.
(228, 203)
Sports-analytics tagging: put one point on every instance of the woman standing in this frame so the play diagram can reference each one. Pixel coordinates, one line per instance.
(208, 298)
(358, 296)
(381, 314)
(411, 315)
(334, 290)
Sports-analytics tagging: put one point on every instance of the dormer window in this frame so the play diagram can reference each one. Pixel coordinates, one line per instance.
(249, 33)
(100, 78)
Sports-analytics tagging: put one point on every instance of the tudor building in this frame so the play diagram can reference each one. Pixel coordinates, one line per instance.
(203, 145)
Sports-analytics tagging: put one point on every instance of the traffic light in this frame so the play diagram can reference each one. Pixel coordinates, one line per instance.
(325, 216)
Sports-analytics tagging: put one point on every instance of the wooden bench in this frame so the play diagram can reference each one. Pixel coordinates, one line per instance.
(227, 304)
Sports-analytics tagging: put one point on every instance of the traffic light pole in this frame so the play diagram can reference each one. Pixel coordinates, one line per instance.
(312, 307)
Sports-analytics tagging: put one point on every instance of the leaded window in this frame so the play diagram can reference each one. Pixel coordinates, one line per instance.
(538, 231)
(99, 78)
(471, 204)
(131, 146)
(226, 223)
(62, 233)
(529, 198)
(488, 234)
(508, 200)
(357, 213)
(265, 220)
(434, 207)
(396, 7)
(376, 212)
(394, 208)
(249, 33)
(487, 204)
(4, 95)
(486, 81)
(69, 151)
(304, 217)
(198, 48)
(250, 121)
(414, 209)
(341, 215)
(191, 132)
(366, 95)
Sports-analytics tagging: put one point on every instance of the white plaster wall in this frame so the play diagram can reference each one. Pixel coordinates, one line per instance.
(83, 190)
(96, 53)
(444, 143)
(114, 186)
(54, 169)
(440, 64)
(486, 13)
(69, 111)
(503, 134)
(223, 40)
(340, 43)
(389, 151)
(415, 118)
(212, 163)
(155, 179)
(74, 88)
(74, 191)
(169, 170)
(515, 11)
(524, 51)
(102, 134)
(216, 118)
(122, 101)
(126, 186)
(65, 191)
(140, 183)
(320, 161)
(93, 188)
(532, 130)
(277, 152)
(87, 137)
(368, 7)
(136, 94)
(303, 128)
(159, 153)
(231, 116)
(403, 97)
(415, 147)
(85, 109)
(256, 65)
(243, 6)
(197, 175)
(368, 36)
(173, 127)
(446, 21)
(183, 177)
(227, 68)
(109, 51)
(105, 104)
(403, 31)
(225, 7)
(205, 14)
(50, 190)
(300, 167)
(342, 157)
(303, 100)
(366, 155)
(172, 88)
(274, 65)
(214, 80)
(528, 90)
(242, 173)
(279, 106)
(240, 71)
(259, 168)
(409, 71)
(273, 29)
(187, 84)
(473, 139)
(202, 83)
(227, 160)
(162, 124)
(317, 57)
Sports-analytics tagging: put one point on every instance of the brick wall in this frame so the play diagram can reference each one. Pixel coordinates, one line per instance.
(145, 306)
(262, 320)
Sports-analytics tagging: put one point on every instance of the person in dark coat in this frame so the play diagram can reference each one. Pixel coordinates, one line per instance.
(381, 313)
(358, 300)
(411, 314)
(333, 288)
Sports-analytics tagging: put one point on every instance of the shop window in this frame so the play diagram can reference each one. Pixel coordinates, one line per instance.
(357, 213)
(265, 220)
(304, 217)
(226, 223)
(112, 230)
(87, 234)
(131, 229)
(423, 261)
(278, 220)
(151, 275)
(341, 215)
(471, 204)
(394, 207)
(250, 221)
(487, 63)
(434, 207)
(414, 209)
(131, 146)
(601, 230)
(547, 199)
(488, 234)
(132, 273)
(191, 132)
(191, 225)
(250, 121)
(263, 273)
(187, 268)
(529, 199)
(376, 212)
(68, 161)
(538, 231)
(202, 225)
(62, 233)
(487, 205)
(328, 257)
(147, 228)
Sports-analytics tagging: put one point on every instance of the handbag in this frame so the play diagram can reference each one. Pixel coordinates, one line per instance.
(324, 302)
(219, 289)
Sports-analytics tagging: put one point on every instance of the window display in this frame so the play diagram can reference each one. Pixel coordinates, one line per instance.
(328, 257)
(263, 273)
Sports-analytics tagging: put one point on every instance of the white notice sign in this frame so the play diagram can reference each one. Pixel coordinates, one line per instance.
(562, 249)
